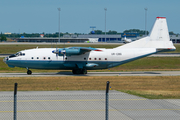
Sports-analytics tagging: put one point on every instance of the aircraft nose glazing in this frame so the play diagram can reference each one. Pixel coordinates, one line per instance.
(5, 59)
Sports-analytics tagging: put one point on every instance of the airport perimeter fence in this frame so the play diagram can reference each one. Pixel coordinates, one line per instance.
(85, 105)
(65, 106)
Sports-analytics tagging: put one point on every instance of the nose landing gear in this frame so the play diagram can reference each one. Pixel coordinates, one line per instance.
(29, 72)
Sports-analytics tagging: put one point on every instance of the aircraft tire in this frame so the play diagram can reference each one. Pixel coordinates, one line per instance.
(78, 71)
(29, 72)
(74, 71)
(84, 71)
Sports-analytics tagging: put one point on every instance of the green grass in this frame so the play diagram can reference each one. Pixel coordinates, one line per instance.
(150, 95)
(156, 63)
(152, 87)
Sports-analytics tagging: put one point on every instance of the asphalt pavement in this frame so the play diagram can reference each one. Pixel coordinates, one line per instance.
(86, 105)
(61, 74)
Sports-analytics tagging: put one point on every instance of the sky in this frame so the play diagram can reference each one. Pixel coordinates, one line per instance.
(76, 16)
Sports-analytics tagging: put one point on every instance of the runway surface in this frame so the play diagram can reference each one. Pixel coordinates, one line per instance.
(137, 73)
(86, 105)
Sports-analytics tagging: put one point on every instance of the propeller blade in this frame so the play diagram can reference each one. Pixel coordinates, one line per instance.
(57, 51)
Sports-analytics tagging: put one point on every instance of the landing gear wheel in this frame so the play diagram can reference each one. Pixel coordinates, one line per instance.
(78, 71)
(29, 72)
(84, 71)
(74, 71)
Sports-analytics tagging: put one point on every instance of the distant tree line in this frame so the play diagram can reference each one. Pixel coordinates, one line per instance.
(101, 32)
(15, 35)
(141, 32)
(172, 33)
(2, 37)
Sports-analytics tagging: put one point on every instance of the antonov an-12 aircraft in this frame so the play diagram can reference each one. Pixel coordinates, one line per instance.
(81, 59)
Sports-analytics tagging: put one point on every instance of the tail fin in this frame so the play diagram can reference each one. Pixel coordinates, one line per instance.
(159, 31)
(158, 38)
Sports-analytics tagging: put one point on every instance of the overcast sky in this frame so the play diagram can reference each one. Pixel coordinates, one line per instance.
(37, 16)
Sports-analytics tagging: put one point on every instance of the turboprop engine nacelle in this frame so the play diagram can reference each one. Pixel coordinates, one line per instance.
(67, 51)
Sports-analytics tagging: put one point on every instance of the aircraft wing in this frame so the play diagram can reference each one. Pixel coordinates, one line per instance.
(74, 51)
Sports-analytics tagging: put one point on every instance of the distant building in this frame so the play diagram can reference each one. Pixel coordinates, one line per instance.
(41, 35)
(175, 38)
(7, 33)
(101, 38)
(118, 38)
(80, 38)
(130, 35)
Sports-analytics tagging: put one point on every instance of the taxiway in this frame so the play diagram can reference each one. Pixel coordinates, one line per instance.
(86, 105)
(61, 74)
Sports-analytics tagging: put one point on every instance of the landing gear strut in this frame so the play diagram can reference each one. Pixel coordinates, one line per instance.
(79, 71)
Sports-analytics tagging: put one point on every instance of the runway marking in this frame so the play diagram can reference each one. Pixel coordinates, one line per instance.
(90, 110)
(73, 100)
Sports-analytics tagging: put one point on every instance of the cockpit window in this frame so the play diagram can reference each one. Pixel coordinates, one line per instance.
(13, 55)
(17, 54)
(20, 54)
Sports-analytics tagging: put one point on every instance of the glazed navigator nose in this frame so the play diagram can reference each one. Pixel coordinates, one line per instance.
(5, 59)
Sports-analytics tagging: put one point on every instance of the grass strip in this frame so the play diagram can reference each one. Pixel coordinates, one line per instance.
(153, 87)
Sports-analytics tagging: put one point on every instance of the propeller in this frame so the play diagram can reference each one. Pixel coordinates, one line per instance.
(64, 53)
(56, 52)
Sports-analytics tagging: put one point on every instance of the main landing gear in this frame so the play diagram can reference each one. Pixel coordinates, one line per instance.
(29, 72)
(79, 71)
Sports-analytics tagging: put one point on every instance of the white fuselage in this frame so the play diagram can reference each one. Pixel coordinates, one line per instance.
(43, 58)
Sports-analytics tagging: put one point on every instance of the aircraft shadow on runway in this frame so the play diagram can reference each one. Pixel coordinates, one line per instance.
(65, 73)
(69, 73)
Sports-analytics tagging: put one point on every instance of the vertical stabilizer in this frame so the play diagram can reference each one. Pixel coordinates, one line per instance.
(158, 37)
(159, 31)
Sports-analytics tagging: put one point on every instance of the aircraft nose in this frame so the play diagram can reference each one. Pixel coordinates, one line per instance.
(5, 59)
